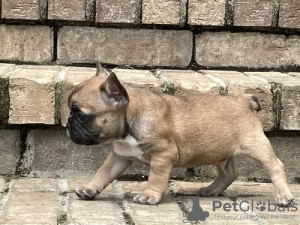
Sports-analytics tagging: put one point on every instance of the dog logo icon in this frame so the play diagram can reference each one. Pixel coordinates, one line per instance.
(197, 212)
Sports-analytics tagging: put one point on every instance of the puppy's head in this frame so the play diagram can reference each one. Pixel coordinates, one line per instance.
(97, 109)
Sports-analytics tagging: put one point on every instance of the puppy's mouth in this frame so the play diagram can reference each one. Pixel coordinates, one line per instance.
(80, 135)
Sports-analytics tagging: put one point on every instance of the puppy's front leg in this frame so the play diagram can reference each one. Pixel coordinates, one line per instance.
(112, 167)
(160, 170)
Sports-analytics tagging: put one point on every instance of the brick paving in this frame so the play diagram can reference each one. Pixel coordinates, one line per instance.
(52, 201)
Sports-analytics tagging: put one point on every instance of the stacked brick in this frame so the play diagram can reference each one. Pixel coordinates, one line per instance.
(48, 37)
(185, 43)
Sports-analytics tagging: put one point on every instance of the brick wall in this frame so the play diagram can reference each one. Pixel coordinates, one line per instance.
(194, 33)
(174, 46)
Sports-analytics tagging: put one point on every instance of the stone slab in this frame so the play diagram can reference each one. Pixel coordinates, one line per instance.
(5, 68)
(10, 151)
(238, 83)
(236, 189)
(71, 78)
(4, 93)
(206, 12)
(290, 97)
(2, 181)
(244, 189)
(139, 78)
(103, 208)
(166, 212)
(289, 16)
(118, 11)
(26, 43)
(132, 188)
(125, 46)
(67, 10)
(34, 185)
(32, 95)
(35, 202)
(253, 13)
(189, 82)
(225, 49)
(171, 12)
(16, 9)
(295, 74)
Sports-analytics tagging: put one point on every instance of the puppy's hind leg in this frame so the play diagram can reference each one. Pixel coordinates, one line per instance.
(227, 173)
(261, 150)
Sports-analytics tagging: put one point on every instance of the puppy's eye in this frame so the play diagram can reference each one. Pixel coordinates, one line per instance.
(81, 116)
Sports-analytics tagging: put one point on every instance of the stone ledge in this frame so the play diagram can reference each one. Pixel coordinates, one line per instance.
(4, 91)
(237, 83)
(10, 152)
(51, 154)
(32, 95)
(288, 87)
(38, 94)
(52, 201)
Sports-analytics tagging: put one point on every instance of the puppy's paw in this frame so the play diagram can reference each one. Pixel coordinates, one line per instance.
(284, 199)
(86, 193)
(147, 197)
(206, 192)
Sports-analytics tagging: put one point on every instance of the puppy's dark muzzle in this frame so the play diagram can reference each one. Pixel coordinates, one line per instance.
(79, 134)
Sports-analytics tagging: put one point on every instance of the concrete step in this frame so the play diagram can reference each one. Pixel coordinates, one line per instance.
(51, 153)
(52, 201)
(38, 94)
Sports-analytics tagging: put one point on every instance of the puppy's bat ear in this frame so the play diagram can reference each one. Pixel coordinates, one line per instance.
(100, 70)
(113, 92)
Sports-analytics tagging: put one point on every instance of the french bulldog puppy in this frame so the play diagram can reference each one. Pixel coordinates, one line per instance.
(166, 131)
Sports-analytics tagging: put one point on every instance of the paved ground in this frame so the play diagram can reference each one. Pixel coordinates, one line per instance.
(51, 201)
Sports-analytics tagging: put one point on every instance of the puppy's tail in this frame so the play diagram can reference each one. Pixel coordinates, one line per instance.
(253, 102)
